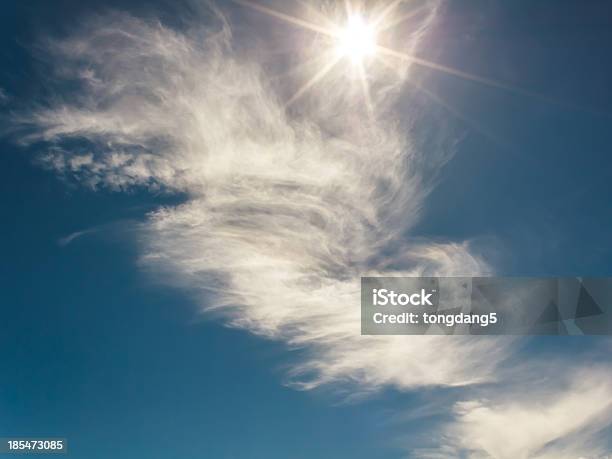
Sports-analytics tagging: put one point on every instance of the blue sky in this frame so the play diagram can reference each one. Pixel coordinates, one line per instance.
(110, 351)
(544, 166)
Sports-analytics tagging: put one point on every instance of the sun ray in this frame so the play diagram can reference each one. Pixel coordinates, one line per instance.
(286, 17)
(475, 78)
(384, 13)
(397, 21)
(466, 119)
(444, 69)
(321, 17)
(366, 91)
(314, 80)
(453, 110)
(385, 61)
(348, 7)
(337, 33)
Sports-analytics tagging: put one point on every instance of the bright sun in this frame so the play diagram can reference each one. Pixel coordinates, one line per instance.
(357, 40)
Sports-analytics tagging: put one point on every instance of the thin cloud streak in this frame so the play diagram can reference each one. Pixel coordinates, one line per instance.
(64, 241)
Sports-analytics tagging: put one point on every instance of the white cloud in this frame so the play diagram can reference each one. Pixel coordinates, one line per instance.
(537, 417)
(284, 213)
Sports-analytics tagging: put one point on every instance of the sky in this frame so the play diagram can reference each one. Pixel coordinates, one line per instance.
(182, 246)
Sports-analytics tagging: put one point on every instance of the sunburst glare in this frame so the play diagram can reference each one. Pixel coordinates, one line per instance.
(357, 40)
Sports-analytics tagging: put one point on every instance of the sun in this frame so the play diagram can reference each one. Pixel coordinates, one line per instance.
(357, 40)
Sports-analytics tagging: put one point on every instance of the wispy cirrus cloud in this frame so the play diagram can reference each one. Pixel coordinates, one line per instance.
(65, 240)
(285, 209)
(534, 417)
(284, 214)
